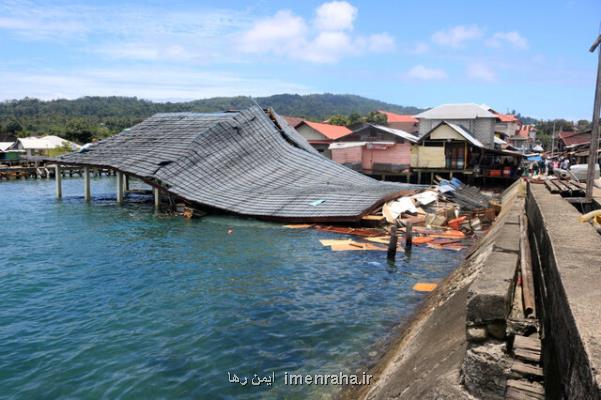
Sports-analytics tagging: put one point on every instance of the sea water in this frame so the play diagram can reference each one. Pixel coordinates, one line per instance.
(105, 301)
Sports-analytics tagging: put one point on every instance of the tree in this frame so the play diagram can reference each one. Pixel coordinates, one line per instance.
(354, 118)
(338, 119)
(13, 127)
(375, 117)
(78, 130)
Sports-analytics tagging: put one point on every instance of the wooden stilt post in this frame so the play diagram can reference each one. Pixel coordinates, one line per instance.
(126, 183)
(419, 177)
(408, 236)
(119, 187)
(157, 197)
(86, 184)
(59, 181)
(392, 243)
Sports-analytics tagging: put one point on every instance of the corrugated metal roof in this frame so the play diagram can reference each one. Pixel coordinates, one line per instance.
(397, 132)
(457, 111)
(240, 162)
(5, 145)
(45, 143)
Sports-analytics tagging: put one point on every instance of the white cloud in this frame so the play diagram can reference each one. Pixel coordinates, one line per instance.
(335, 16)
(420, 48)
(457, 36)
(327, 41)
(481, 71)
(381, 43)
(512, 38)
(149, 83)
(282, 33)
(426, 74)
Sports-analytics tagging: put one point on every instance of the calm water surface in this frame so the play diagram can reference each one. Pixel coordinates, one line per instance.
(101, 301)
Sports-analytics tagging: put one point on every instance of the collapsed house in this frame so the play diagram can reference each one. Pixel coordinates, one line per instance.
(248, 162)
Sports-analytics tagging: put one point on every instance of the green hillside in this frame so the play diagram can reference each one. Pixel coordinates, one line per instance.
(95, 117)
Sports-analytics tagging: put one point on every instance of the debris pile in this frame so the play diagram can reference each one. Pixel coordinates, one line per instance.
(447, 216)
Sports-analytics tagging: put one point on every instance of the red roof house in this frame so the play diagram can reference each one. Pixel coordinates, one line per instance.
(407, 123)
(321, 135)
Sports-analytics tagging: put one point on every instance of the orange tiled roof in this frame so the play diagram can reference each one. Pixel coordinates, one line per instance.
(392, 117)
(332, 132)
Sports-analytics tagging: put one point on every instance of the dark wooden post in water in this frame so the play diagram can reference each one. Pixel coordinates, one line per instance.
(393, 242)
(592, 157)
(408, 236)
(59, 181)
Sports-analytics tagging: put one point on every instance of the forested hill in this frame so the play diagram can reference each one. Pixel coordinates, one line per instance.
(88, 117)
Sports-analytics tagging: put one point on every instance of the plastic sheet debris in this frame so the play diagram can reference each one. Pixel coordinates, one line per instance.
(424, 287)
(393, 209)
(426, 197)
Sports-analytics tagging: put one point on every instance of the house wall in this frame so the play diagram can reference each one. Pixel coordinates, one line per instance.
(395, 157)
(405, 126)
(446, 132)
(427, 157)
(309, 133)
(349, 155)
(483, 129)
(506, 128)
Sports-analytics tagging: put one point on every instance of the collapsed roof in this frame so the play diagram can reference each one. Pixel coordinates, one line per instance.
(248, 162)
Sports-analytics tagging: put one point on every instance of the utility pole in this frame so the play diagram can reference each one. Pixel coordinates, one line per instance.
(553, 140)
(592, 157)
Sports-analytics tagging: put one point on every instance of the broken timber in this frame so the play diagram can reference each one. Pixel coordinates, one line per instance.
(248, 162)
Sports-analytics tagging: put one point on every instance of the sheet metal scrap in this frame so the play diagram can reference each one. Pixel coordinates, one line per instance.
(248, 162)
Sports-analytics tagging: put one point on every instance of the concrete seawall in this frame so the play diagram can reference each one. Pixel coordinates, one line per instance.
(568, 277)
(459, 344)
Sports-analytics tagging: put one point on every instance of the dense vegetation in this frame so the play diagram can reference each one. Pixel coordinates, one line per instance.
(87, 118)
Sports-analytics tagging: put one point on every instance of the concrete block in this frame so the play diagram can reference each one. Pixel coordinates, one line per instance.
(489, 297)
(485, 370)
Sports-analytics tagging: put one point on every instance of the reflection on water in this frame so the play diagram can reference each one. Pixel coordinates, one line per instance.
(115, 302)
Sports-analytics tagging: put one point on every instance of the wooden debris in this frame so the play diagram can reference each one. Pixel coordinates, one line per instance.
(528, 371)
(298, 226)
(354, 246)
(424, 287)
(367, 232)
(524, 390)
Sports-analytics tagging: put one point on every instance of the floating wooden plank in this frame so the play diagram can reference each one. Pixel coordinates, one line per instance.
(298, 226)
(355, 246)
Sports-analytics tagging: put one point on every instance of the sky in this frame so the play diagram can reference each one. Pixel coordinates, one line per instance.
(529, 56)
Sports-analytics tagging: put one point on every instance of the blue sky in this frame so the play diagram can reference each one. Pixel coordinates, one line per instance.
(525, 55)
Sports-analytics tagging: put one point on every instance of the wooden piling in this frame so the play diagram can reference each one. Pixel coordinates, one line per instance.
(119, 187)
(157, 197)
(392, 244)
(59, 181)
(87, 194)
(408, 235)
